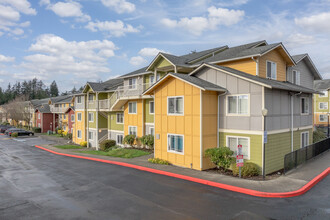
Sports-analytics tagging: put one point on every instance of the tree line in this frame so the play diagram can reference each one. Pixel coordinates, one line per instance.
(32, 89)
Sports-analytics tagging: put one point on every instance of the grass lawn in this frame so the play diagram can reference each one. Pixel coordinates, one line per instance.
(55, 135)
(68, 146)
(120, 152)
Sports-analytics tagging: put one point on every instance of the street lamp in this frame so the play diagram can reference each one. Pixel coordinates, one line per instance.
(264, 113)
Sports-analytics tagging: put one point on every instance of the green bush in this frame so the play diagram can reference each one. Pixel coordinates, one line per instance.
(158, 161)
(148, 140)
(318, 135)
(83, 143)
(249, 169)
(129, 139)
(69, 136)
(107, 145)
(221, 157)
(37, 130)
(15, 134)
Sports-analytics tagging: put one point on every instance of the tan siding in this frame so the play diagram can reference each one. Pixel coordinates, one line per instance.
(276, 57)
(244, 65)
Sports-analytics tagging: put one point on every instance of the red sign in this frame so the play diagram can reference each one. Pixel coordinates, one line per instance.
(239, 156)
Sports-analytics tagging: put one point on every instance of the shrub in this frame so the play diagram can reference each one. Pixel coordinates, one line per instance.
(148, 140)
(15, 134)
(129, 139)
(158, 161)
(69, 136)
(83, 143)
(107, 145)
(65, 133)
(221, 157)
(59, 131)
(247, 170)
(318, 135)
(37, 130)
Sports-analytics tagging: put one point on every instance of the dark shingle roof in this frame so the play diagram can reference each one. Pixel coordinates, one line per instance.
(44, 108)
(310, 64)
(38, 102)
(61, 99)
(272, 83)
(321, 85)
(298, 57)
(136, 72)
(109, 85)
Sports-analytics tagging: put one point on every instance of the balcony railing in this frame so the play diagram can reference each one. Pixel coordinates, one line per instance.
(58, 109)
(91, 104)
(104, 104)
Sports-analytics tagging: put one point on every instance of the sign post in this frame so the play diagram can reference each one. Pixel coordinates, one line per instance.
(239, 159)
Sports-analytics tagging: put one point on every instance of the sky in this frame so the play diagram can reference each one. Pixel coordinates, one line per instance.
(75, 41)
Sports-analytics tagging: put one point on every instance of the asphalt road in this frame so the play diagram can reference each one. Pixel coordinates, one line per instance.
(35, 184)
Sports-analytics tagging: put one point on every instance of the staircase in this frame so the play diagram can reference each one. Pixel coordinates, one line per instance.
(105, 137)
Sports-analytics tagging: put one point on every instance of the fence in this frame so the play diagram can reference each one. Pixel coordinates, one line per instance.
(300, 156)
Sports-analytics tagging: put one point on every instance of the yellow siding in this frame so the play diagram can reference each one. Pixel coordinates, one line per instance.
(79, 125)
(276, 57)
(209, 124)
(317, 119)
(244, 65)
(134, 119)
(187, 125)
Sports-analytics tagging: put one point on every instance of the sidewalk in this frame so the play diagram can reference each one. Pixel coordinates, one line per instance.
(292, 181)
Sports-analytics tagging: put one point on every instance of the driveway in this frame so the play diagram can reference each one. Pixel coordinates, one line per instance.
(35, 184)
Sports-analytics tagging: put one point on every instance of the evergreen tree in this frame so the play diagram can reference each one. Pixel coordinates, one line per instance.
(53, 89)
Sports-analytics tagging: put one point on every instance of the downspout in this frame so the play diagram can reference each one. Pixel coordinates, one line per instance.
(218, 118)
(257, 65)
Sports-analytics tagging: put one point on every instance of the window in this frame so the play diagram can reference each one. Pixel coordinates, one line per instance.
(296, 77)
(120, 118)
(271, 70)
(132, 108)
(151, 108)
(304, 105)
(119, 139)
(39, 125)
(304, 139)
(64, 128)
(151, 79)
(132, 83)
(79, 116)
(323, 118)
(232, 143)
(90, 97)
(152, 131)
(158, 76)
(39, 115)
(175, 143)
(72, 118)
(90, 117)
(325, 94)
(90, 135)
(64, 116)
(79, 99)
(323, 105)
(79, 134)
(132, 130)
(175, 105)
(238, 104)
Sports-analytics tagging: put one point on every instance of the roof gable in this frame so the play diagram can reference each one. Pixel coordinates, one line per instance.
(305, 57)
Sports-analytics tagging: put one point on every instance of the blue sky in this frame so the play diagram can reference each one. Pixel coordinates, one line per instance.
(74, 41)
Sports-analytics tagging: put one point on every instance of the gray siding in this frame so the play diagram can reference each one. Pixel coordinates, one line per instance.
(234, 86)
(139, 80)
(79, 105)
(278, 103)
(92, 143)
(113, 135)
(306, 76)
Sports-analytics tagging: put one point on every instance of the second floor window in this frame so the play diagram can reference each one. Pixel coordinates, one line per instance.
(72, 118)
(304, 105)
(271, 70)
(91, 117)
(79, 99)
(152, 79)
(151, 108)
(296, 77)
(132, 83)
(132, 108)
(323, 105)
(238, 104)
(175, 105)
(90, 97)
(120, 118)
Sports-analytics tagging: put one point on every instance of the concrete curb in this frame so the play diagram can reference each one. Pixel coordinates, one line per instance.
(251, 192)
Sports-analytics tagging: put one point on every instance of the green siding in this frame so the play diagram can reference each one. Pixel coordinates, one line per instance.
(112, 122)
(163, 63)
(279, 145)
(103, 96)
(321, 99)
(103, 122)
(92, 124)
(148, 118)
(255, 145)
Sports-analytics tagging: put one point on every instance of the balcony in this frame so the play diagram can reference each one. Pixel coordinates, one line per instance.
(91, 104)
(59, 110)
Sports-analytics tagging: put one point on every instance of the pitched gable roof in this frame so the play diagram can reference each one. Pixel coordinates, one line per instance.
(136, 72)
(298, 58)
(44, 108)
(61, 99)
(110, 85)
(321, 85)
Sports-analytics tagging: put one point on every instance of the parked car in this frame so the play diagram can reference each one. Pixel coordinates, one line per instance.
(11, 130)
(3, 128)
(20, 132)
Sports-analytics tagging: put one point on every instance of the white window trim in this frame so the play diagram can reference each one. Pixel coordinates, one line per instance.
(301, 134)
(79, 113)
(249, 146)
(275, 70)
(135, 129)
(78, 134)
(39, 115)
(120, 123)
(136, 108)
(175, 114)
(89, 136)
(297, 73)
(73, 118)
(151, 82)
(306, 113)
(89, 95)
(135, 84)
(92, 116)
(321, 96)
(323, 104)
(150, 130)
(150, 106)
(172, 151)
(117, 139)
(78, 99)
(233, 114)
(326, 118)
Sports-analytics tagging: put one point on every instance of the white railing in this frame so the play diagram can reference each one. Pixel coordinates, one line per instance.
(58, 109)
(91, 104)
(104, 104)
(105, 137)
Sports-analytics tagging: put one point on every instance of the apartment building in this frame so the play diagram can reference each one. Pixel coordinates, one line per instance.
(321, 104)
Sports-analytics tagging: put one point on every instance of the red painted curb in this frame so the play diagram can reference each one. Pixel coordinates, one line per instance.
(251, 192)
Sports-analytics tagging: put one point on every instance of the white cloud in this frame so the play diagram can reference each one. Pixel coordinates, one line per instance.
(149, 52)
(216, 17)
(318, 23)
(55, 56)
(137, 61)
(227, 3)
(120, 6)
(22, 6)
(114, 28)
(298, 39)
(6, 59)
(67, 9)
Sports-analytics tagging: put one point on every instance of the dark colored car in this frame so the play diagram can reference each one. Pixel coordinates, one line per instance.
(3, 128)
(11, 130)
(20, 132)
